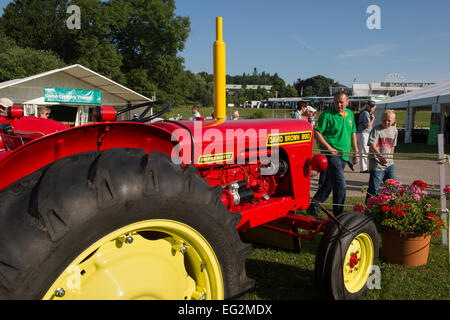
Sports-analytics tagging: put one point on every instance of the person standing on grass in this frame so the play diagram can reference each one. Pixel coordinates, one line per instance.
(195, 113)
(310, 113)
(382, 142)
(335, 133)
(364, 125)
(298, 113)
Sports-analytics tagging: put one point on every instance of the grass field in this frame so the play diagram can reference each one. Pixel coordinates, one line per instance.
(285, 275)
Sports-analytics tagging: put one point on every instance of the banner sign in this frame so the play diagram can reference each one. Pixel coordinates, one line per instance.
(406, 84)
(63, 95)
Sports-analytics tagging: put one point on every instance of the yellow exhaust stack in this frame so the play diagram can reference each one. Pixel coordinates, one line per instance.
(219, 73)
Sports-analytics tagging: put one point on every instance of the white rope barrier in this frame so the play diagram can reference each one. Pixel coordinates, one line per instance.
(440, 159)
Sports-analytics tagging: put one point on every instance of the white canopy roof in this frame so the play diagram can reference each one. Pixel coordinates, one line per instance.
(82, 77)
(436, 93)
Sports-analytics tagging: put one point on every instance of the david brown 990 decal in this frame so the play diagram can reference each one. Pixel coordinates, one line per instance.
(288, 138)
(211, 158)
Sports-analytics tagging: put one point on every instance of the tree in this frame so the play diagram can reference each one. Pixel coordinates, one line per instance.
(151, 39)
(128, 41)
(41, 24)
(317, 85)
(18, 62)
(290, 91)
(95, 47)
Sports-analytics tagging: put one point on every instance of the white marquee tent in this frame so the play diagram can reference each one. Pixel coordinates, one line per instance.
(29, 91)
(436, 97)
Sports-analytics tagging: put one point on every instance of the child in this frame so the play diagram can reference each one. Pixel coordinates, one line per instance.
(311, 114)
(382, 142)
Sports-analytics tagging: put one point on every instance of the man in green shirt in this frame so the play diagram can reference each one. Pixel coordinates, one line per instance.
(335, 133)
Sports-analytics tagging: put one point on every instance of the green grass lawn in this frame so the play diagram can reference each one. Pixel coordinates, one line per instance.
(285, 275)
(421, 119)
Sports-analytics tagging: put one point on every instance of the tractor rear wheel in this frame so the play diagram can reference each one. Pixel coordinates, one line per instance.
(346, 256)
(118, 224)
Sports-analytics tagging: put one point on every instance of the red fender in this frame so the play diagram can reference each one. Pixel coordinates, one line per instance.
(36, 154)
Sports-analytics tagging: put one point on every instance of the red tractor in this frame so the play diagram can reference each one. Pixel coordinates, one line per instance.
(141, 209)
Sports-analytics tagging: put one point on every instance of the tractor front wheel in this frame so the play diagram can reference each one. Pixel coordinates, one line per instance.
(346, 257)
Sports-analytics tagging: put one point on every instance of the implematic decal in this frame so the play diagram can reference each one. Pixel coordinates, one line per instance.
(220, 157)
(288, 138)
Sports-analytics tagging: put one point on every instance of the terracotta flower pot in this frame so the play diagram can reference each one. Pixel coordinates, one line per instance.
(405, 249)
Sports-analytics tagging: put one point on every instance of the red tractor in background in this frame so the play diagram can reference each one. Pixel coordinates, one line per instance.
(135, 210)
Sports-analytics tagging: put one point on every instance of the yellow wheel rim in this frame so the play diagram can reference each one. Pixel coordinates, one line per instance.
(358, 262)
(153, 259)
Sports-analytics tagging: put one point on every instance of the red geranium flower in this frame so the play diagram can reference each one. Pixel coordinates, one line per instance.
(422, 185)
(447, 191)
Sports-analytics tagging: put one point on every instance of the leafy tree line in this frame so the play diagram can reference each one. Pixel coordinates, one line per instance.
(317, 85)
(134, 42)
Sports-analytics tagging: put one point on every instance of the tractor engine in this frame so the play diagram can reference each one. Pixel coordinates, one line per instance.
(247, 183)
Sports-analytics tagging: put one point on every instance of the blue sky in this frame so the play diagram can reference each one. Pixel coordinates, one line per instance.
(300, 39)
(303, 38)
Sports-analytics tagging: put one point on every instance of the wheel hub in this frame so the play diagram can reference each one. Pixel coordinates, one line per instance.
(358, 262)
(157, 259)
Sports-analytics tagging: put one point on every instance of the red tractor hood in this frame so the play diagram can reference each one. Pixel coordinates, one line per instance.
(33, 127)
(228, 140)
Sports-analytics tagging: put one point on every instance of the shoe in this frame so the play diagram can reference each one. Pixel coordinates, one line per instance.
(367, 171)
(316, 213)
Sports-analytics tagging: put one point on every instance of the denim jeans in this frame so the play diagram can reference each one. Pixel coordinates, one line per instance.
(332, 180)
(376, 177)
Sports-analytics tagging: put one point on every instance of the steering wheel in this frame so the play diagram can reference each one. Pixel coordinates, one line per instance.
(142, 118)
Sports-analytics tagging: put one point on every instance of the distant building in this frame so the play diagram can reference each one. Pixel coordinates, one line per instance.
(247, 86)
(388, 89)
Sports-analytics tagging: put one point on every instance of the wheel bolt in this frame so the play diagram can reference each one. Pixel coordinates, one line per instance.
(60, 292)
(198, 295)
(183, 248)
(128, 239)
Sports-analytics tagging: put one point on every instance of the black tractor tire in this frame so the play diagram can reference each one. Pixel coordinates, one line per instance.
(331, 254)
(54, 214)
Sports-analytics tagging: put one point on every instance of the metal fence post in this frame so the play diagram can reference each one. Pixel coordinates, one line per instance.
(442, 169)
